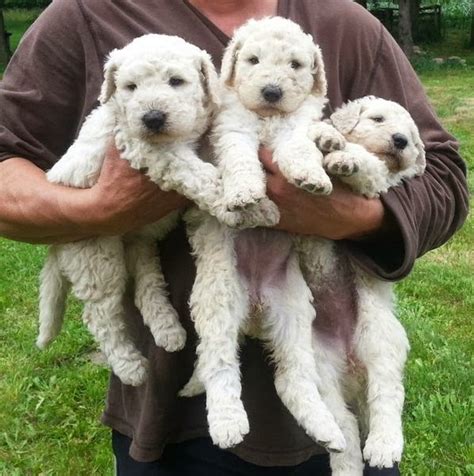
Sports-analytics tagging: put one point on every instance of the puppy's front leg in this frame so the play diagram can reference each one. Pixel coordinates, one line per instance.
(235, 140)
(362, 171)
(80, 166)
(219, 304)
(326, 136)
(301, 162)
(381, 345)
(179, 168)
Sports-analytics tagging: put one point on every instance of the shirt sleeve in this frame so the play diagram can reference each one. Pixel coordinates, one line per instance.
(42, 95)
(426, 210)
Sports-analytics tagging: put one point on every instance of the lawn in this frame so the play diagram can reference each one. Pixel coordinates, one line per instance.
(51, 401)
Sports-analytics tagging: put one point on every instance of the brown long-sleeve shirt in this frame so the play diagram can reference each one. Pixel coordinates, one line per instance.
(53, 82)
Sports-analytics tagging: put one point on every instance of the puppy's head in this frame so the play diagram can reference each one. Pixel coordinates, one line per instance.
(386, 129)
(163, 88)
(273, 66)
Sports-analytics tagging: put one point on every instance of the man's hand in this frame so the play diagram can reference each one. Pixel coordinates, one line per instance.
(341, 215)
(34, 210)
(125, 199)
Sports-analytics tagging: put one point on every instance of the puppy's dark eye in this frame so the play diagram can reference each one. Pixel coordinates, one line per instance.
(378, 118)
(295, 64)
(175, 81)
(131, 86)
(253, 60)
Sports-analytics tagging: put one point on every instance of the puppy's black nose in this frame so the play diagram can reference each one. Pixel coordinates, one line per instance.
(154, 120)
(272, 93)
(399, 141)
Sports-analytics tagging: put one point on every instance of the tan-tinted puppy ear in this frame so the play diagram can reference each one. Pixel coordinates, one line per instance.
(210, 80)
(110, 70)
(345, 118)
(228, 61)
(420, 162)
(320, 85)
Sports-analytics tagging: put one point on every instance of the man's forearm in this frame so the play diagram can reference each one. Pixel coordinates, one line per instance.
(37, 211)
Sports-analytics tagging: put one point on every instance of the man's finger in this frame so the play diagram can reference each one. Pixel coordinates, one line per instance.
(266, 157)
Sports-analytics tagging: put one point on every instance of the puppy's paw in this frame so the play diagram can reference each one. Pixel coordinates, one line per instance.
(172, 338)
(228, 425)
(341, 163)
(383, 449)
(325, 431)
(265, 214)
(268, 213)
(314, 180)
(329, 139)
(244, 195)
(131, 371)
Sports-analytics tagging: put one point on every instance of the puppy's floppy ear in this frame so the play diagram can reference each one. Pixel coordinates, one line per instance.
(210, 80)
(228, 61)
(110, 69)
(320, 85)
(345, 118)
(420, 162)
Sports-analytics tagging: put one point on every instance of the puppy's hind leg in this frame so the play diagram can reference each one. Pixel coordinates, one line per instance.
(151, 296)
(219, 304)
(331, 366)
(381, 345)
(288, 331)
(96, 269)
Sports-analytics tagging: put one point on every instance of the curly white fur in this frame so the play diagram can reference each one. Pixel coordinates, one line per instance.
(275, 89)
(383, 148)
(157, 99)
(389, 149)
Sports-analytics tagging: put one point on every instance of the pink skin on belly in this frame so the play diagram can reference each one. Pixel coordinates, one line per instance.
(262, 259)
(336, 307)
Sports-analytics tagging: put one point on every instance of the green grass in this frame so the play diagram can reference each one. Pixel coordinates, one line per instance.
(436, 307)
(51, 401)
(16, 23)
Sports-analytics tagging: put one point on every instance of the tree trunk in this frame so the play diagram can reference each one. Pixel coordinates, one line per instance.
(404, 27)
(414, 14)
(5, 52)
(471, 43)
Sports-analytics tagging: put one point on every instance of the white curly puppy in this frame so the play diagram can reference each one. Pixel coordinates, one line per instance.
(364, 360)
(275, 87)
(251, 280)
(157, 100)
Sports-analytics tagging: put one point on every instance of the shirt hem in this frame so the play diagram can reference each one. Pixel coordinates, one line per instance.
(144, 453)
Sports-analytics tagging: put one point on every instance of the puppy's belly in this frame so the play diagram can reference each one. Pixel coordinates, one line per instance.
(262, 261)
(335, 298)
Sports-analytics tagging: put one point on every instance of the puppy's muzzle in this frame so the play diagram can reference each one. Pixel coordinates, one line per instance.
(154, 120)
(399, 141)
(272, 93)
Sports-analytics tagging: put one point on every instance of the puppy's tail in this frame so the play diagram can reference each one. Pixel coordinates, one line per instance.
(52, 303)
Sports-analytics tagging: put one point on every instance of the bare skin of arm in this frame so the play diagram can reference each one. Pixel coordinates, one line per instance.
(340, 215)
(36, 211)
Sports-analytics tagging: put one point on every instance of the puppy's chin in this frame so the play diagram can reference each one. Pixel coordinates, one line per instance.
(267, 111)
(158, 138)
(394, 161)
